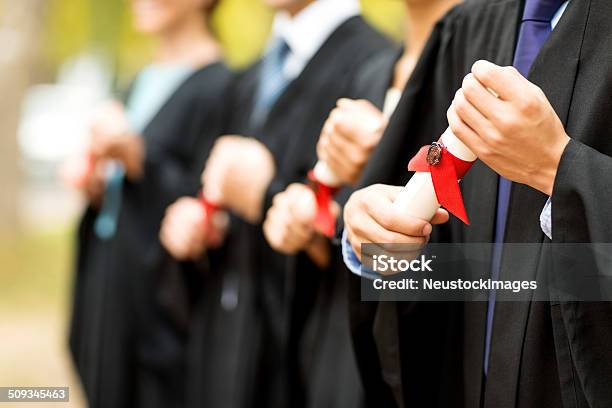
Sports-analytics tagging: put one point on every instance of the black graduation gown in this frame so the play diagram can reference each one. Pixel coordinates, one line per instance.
(128, 350)
(325, 343)
(371, 84)
(544, 354)
(251, 320)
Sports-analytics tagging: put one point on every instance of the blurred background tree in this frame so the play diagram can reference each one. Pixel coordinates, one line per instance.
(41, 88)
(20, 24)
(242, 25)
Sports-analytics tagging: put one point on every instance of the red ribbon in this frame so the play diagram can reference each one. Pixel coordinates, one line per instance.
(325, 221)
(209, 209)
(445, 175)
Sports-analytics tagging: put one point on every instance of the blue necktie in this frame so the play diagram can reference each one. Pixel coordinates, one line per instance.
(534, 31)
(151, 90)
(105, 225)
(272, 82)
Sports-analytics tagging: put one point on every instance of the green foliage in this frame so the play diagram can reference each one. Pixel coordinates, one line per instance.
(242, 26)
(67, 30)
(34, 272)
(386, 15)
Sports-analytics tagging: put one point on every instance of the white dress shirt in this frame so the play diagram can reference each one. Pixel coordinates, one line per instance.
(306, 32)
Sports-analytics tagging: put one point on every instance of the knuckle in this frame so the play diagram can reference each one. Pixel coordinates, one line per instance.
(485, 153)
(485, 75)
(495, 139)
(498, 116)
(511, 70)
(506, 123)
(357, 158)
(386, 220)
(277, 200)
(528, 106)
(387, 237)
(461, 105)
(469, 85)
(458, 129)
(449, 114)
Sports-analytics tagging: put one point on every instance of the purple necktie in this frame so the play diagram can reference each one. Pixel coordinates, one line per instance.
(534, 31)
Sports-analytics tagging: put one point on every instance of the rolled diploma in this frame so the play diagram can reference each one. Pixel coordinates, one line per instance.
(322, 171)
(325, 175)
(418, 198)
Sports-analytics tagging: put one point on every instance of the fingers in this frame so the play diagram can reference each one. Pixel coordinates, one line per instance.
(463, 132)
(370, 216)
(388, 192)
(471, 116)
(339, 141)
(289, 223)
(370, 220)
(216, 167)
(441, 217)
(373, 232)
(346, 162)
(348, 137)
(182, 232)
(481, 98)
(281, 236)
(505, 82)
(356, 120)
(301, 203)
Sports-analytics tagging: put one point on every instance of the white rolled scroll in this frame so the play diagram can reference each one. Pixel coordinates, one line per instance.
(418, 198)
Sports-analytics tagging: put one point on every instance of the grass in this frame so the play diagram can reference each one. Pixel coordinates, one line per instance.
(35, 270)
(35, 291)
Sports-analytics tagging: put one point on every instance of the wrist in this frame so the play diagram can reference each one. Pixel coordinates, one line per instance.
(246, 201)
(544, 180)
(132, 156)
(319, 252)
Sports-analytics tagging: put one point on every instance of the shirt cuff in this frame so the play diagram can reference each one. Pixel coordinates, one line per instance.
(546, 219)
(352, 262)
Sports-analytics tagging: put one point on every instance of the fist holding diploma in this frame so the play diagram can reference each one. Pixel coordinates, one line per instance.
(370, 218)
(289, 227)
(392, 215)
(499, 117)
(78, 169)
(517, 133)
(289, 222)
(108, 127)
(188, 229)
(347, 140)
(237, 173)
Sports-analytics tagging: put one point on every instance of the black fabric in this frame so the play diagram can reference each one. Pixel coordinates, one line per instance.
(255, 322)
(413, 370)
(543, 354)
(371, 84)
(127, 340)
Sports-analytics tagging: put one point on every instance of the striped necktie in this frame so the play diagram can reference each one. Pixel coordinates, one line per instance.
(272, 82)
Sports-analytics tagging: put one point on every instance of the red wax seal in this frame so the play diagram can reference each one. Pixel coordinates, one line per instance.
(434, 154)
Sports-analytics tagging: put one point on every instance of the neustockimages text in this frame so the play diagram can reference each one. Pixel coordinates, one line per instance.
(389, 265)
